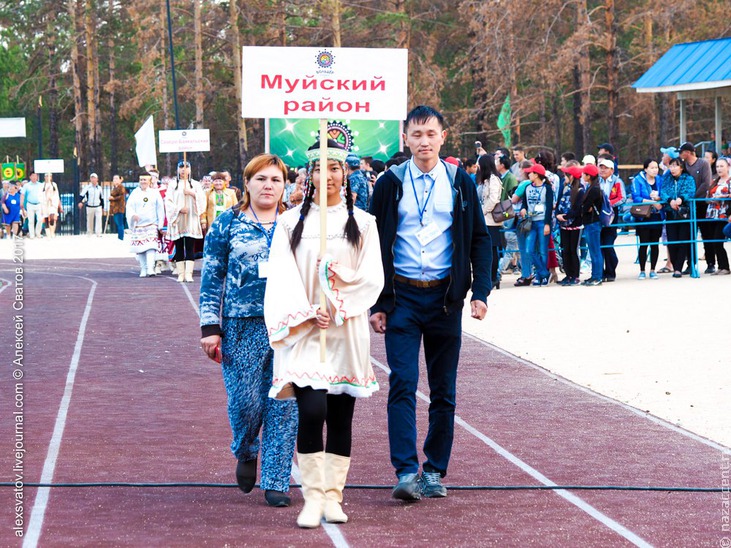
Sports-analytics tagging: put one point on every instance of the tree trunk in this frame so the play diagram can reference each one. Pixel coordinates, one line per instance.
(78, 67)
(402, 31)
(584, 67)
(198, 34)
(612, 67)
(113, 138)
(578, 129)
(514, 99)
(282, 18)
(52, 94)
(652, 130)
(555, 112)
(92, 85)
(166, 122)
(336, 9)
(233, 14)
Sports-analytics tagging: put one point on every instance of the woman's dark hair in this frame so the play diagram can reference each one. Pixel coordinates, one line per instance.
(593, 183)
(547, 160)
(679, 162)
(647, 163)
(486, 165)
(576, 185)
(352, 232)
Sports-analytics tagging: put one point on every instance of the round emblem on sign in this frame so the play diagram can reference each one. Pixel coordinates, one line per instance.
(8, 172)
(325, 59)
(341, 134)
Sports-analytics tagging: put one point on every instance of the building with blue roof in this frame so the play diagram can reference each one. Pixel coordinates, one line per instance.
(696, 70)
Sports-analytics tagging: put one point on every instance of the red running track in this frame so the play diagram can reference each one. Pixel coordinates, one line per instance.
(147, 406)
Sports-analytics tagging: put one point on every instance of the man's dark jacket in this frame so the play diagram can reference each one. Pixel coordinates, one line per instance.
(471, 243)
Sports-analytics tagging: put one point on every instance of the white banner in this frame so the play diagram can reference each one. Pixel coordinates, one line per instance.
(12, 127)
(185, 140)
(145, 147)
(334, 83)
(48, 166)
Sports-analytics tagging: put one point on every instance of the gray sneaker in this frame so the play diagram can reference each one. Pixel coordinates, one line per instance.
(432, 485)
(408, 488)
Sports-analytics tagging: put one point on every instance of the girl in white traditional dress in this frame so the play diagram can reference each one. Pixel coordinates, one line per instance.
(51, 205)
(185, 202)
(145, 217)
(351, 275)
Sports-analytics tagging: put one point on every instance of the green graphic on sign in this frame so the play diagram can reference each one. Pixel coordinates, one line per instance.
(8, 172)
(13, 170)
(290, 138)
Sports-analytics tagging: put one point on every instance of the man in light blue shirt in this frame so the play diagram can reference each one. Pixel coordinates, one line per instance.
(427, 201)
(32, 199)
(434, 248)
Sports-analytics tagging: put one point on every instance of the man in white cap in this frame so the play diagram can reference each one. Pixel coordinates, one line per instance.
(589, 159)
(613, 188)
(93, 199)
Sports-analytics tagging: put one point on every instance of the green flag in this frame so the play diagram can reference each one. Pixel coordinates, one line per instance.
(503, 121)
(8, 171)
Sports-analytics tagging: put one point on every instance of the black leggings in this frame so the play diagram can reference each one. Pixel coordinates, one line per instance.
(317, 408)
(649, 234)
(184, 249)
(678, 232)
(570, 252)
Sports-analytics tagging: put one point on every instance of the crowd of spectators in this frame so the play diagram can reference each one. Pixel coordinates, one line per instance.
(567, 215)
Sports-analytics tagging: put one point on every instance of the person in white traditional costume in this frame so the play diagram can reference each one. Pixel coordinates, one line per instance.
(145, 217)
(185, 202)
(51, 205)
(351, 276)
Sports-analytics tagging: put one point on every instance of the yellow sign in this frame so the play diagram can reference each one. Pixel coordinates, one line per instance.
(8, 172)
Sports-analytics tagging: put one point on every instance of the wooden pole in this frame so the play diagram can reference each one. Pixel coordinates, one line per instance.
(323, 224)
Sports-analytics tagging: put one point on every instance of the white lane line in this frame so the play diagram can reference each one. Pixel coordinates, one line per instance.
(628, 407)
(332, 530)
(35, 525)
(570, 497)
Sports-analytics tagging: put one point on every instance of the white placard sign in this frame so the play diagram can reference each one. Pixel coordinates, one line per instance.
(334, 83)
(12, 127)
(48, 166)
(185, 140)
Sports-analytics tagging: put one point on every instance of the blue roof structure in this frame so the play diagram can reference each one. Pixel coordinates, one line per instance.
(689, 67)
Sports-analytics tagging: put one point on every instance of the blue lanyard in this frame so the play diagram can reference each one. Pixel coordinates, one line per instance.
(268, 234)
(420, 209)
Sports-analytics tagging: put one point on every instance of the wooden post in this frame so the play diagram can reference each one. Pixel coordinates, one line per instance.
(323, 224)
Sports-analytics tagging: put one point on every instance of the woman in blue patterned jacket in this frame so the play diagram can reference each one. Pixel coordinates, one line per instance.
(234, 277)
(676, 193)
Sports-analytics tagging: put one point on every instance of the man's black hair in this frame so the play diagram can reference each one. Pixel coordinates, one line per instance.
(469, 162)
(378, 166)
(504, 161)
(421, 114)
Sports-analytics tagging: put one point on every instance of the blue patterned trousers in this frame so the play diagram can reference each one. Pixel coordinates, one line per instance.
(247, 374)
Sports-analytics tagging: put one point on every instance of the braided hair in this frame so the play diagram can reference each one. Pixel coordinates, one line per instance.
(352, 232)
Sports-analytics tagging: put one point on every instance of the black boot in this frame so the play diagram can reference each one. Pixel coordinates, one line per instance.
(246, 474)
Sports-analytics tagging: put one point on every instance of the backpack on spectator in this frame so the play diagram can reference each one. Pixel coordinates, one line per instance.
(606, 215)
